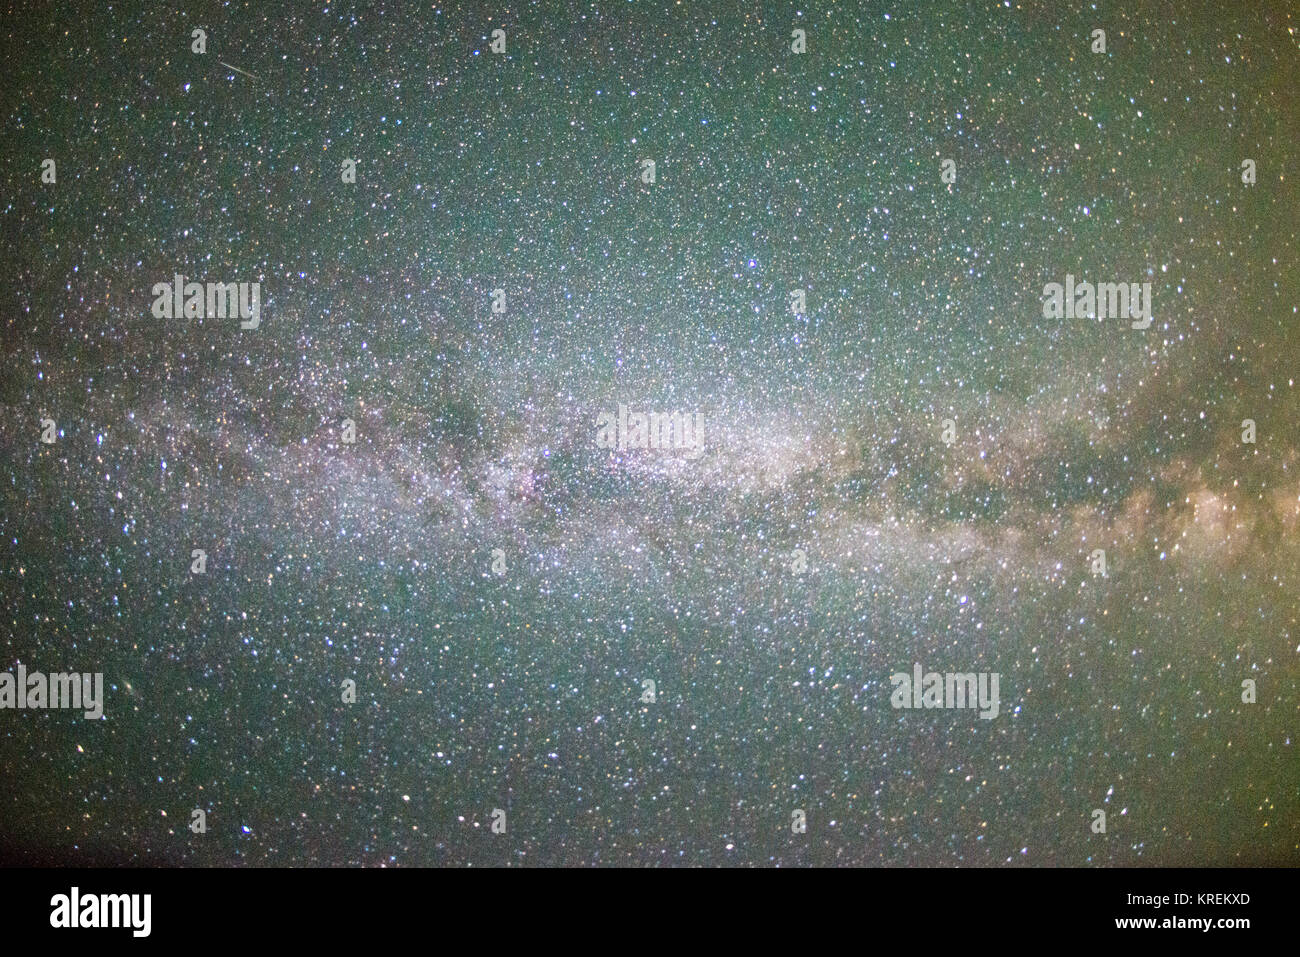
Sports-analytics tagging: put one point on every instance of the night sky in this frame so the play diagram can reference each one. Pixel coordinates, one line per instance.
(520, 688)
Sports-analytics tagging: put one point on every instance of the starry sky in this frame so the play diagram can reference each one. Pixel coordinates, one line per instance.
(475, 431)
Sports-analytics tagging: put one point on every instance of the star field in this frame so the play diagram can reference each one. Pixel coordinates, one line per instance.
(519, 687)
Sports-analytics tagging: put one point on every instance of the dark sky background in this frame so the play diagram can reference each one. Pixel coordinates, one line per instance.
(476, 431)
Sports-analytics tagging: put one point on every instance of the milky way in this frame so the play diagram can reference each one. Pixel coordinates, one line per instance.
(499, 586)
